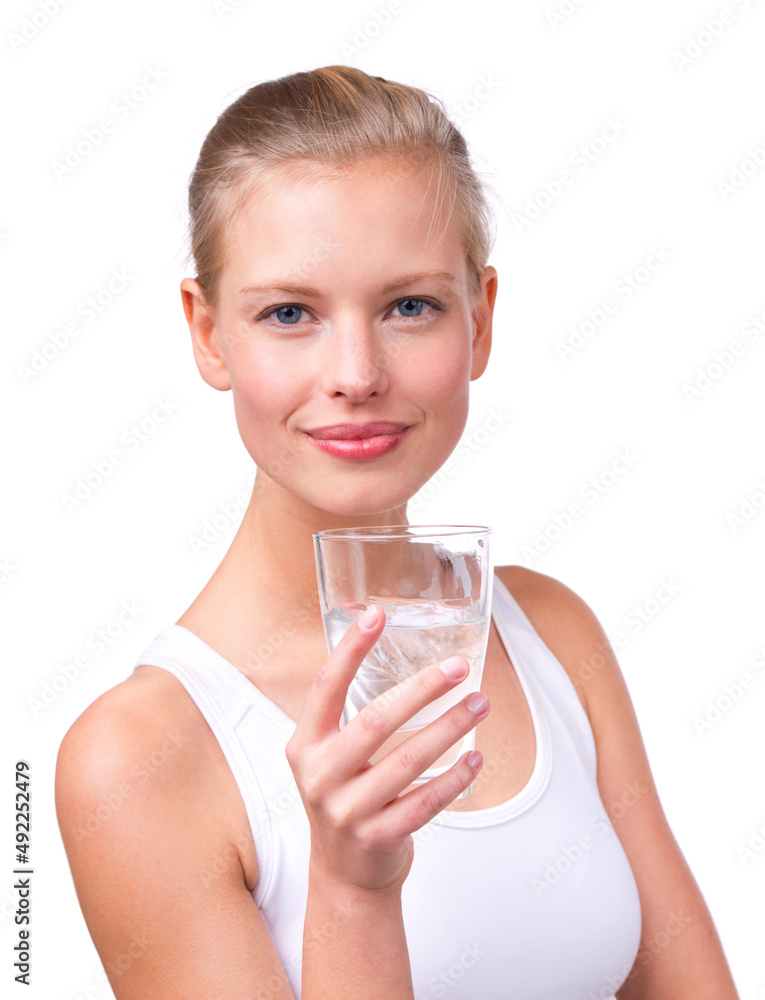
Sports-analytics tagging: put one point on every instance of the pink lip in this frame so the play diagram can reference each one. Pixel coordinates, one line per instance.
(355, 432)
(357, 442)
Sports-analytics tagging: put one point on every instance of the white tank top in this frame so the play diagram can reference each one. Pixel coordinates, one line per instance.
(533, 899)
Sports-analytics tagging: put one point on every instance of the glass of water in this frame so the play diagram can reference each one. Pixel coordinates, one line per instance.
(434, 583)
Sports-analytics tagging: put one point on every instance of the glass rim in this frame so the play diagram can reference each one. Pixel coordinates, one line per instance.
(378, 532)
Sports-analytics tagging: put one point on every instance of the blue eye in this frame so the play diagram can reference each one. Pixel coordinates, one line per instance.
(291, 313)
(411, 307)
(288, 314)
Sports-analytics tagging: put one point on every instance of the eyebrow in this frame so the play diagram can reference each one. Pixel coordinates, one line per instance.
(407, 279)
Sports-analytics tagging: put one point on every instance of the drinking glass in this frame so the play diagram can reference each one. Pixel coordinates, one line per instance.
(434, 583)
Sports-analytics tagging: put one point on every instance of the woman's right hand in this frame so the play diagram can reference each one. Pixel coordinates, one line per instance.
(361, 823)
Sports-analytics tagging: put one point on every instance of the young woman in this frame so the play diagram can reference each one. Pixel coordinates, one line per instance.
(343, 294)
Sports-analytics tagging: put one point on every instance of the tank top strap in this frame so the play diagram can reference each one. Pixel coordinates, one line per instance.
(541, 669)
(511, 611)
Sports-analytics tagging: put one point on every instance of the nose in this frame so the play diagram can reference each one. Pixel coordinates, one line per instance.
(354, 362)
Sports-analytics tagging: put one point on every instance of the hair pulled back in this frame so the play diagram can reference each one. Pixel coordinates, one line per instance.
(332, 117)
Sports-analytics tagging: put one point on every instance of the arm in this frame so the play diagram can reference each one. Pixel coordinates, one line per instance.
(161, 867)
(155, 860)
(680, 956)
(361, 823)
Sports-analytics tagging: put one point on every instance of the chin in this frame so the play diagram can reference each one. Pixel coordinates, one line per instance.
(353, 508)
(364, 501)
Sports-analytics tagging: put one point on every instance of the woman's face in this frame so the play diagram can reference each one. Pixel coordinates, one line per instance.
(348, 334)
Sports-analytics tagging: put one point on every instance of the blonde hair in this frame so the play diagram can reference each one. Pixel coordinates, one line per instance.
(331, 117)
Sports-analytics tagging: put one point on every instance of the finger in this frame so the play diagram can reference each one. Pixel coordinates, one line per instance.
(324, 702)
(409, 760)
(409, 813)
(387, 713)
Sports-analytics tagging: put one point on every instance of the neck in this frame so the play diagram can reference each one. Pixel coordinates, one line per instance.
(274, 545)
(266, 582)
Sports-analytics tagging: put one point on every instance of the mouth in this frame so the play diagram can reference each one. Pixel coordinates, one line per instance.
(359, 442)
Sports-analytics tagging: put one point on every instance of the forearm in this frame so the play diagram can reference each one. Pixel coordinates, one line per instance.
(354, 944)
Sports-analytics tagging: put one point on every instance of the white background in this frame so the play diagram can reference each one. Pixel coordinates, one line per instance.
(529, 93)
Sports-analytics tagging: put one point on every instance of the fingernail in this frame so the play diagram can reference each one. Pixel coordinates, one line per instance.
(477, 703)
(475, 759)
(454, 668)
(369, 619)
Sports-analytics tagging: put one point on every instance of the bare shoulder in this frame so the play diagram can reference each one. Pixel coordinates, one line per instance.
(130, 712)
(142, 742)
(159, 845)
(134, 709)
(144, 731)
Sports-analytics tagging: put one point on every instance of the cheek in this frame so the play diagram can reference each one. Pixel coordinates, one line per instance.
(264, 392)
(263, 382)
(443, 380)
(441, 386)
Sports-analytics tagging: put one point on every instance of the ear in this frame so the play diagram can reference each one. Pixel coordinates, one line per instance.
(205, 337)
(483, 312)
